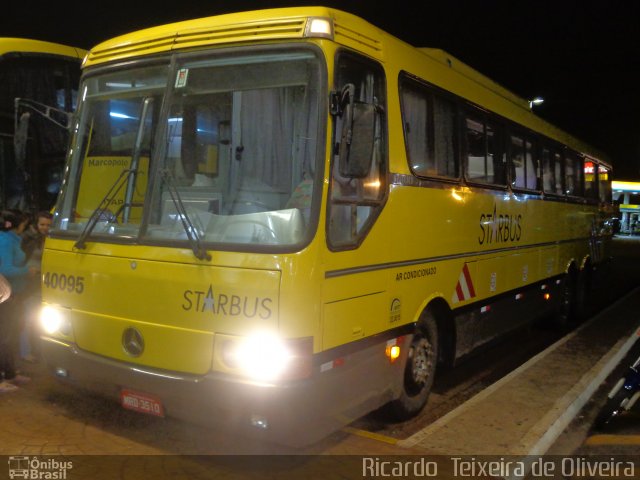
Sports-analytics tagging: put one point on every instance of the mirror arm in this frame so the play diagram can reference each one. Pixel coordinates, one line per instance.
(348, 95)
(339, 101)
(43, 110)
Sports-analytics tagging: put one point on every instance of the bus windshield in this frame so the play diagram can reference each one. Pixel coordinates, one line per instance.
(222, 148)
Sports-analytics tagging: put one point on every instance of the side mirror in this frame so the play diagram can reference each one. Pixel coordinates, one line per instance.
(21, 123)
(357, 138)
(21, 133)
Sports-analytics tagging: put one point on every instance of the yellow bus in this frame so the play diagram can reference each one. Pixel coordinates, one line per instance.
(39, 89)
(280, 220)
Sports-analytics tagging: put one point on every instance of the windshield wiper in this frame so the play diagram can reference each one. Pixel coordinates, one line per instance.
(135, 160)
(102, 212)
(192, 233)
(129, 175)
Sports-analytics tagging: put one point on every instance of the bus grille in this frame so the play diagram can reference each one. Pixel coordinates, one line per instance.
(210, 35)
(353, 38)
(244, 32)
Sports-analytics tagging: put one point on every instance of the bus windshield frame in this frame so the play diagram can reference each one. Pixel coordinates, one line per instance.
(222, 146)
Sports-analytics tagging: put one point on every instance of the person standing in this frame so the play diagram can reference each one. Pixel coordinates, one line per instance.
(14, 269)
(33, 237)
(33, 245)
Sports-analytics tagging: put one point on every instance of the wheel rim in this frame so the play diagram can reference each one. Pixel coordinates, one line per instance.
(421, 364)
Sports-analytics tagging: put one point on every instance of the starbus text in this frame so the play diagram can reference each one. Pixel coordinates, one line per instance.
(227, 305)
(499, 228)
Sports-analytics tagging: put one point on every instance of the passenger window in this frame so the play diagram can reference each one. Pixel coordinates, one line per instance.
(415, 115)
(495, 156)
(518, 172)
(548, 172)
(532, 167)
(574, 174)
(604, 184)
(476, 159)
(552, 171)
(557, 166)
(444, 137)
(430, 131)
(578, 162)
(485, 152)
(570, 173)
(590, 190)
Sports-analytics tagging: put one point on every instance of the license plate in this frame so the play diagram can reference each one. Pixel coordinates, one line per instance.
(141, 402)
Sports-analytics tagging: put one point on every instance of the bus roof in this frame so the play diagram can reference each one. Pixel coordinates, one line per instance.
(10, 45)
(255, 25)
(350, 30)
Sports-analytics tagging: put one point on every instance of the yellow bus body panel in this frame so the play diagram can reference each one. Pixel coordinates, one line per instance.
(26, 45)
(525, 244)
(178, 306)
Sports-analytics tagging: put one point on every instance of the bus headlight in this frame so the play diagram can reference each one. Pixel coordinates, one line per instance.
(264, 357)
(261, 357)
(53, 321)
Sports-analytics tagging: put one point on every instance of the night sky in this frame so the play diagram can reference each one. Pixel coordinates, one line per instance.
(582, 57)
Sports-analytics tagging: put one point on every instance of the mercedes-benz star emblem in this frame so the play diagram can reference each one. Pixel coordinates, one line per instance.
(133, 342)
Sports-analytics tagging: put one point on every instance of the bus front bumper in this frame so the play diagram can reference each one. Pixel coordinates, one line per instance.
(294, 414)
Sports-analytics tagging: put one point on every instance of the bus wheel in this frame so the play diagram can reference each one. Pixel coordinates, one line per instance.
(565, 313)
(583, 294)
(419, 371)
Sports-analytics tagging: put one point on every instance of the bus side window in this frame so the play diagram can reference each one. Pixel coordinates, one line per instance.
(570, 173)
(577, 162)
(430, 124)
(604, 184)
(590, 190)
(552, 171)
(416, 110)
(445, 126)
(558, 175)
(518, 165)
(496, 158)
(548, 172)
(355, 202)
(476, 160)
(574, 174)
(532, 162)
(486, 159)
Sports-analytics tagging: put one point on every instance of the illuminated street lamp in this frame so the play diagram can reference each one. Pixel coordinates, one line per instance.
(535, 101)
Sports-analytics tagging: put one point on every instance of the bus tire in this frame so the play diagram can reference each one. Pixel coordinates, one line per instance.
(419, 371)
(583, 294)
(566, 311)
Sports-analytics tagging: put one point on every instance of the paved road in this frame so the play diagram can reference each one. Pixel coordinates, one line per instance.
(623, 435)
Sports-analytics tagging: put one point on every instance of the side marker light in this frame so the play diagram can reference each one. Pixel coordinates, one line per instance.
(392, 350)
(393, 353)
